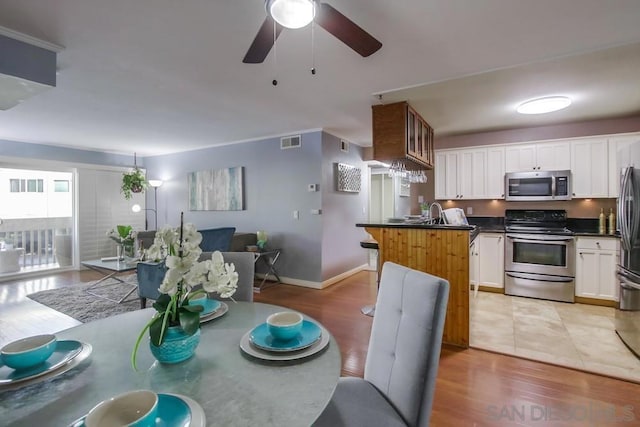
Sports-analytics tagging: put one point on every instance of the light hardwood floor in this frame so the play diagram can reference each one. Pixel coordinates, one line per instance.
(474, 387)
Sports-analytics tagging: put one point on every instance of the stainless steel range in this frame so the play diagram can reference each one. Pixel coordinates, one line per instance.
(539, 255)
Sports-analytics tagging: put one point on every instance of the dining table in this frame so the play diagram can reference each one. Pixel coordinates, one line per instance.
(232, 387)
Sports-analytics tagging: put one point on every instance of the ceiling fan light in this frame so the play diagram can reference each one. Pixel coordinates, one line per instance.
(291, 13)
(547, 104)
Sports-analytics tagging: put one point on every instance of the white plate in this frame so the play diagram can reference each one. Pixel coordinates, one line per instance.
(198, 418)
(75, 361)
(245, 346)
(221, 311)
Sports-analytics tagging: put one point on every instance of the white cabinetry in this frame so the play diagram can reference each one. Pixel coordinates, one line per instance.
(461, 174)
(596, 260)
(618, 153)
(540, 156)
(589, 168)
(495, 172)
(490, 247)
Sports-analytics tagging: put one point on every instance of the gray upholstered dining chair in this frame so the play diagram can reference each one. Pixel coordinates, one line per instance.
(150, 275)
(403, 356)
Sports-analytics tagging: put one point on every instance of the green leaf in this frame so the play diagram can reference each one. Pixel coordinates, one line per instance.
(157, 329)
(189, 321)
(123, 230)
(193, 308)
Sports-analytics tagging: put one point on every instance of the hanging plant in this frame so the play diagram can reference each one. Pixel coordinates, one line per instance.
(133, 181)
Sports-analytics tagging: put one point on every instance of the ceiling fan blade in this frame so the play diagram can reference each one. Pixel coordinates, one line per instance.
(346, 30)
(263, 42)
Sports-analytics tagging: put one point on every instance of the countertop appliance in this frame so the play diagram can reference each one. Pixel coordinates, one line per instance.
(539, 255)
(628, 272)
(538, 186)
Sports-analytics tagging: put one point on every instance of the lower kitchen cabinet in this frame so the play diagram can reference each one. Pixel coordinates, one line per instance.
(490, 247)
(596, 260)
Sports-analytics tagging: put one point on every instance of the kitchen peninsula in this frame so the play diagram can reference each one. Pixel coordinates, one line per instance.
(441, 250)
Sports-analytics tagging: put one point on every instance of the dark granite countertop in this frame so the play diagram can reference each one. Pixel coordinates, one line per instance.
(419, 225)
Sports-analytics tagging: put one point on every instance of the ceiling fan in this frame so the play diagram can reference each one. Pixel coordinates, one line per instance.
(297, 14)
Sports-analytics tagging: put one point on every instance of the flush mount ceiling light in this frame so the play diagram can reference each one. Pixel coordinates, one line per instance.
(547, 104)
(291, 13)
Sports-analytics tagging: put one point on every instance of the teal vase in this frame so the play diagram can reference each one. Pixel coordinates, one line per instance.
(177, 346)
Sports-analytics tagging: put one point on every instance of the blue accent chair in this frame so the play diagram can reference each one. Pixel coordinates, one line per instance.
(217, 239)
(150, 275)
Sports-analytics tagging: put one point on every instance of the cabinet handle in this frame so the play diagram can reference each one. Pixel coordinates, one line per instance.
(573, 194)
(499, 238)
(580, 253)
(502, 195)
(538, 167)
(534, 168)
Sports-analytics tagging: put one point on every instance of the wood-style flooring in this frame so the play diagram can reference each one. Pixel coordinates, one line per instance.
(474, 387)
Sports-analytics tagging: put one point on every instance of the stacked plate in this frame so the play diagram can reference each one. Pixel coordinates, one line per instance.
(259, 343)
(219, 309)
(67, 355)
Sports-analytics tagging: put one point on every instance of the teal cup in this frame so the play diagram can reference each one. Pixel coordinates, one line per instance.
(137, 408)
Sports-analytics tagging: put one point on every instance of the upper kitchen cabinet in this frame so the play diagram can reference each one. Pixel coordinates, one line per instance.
(469, 174)
(399, 133)
(589, 159)
(541, 156)
(618, 152)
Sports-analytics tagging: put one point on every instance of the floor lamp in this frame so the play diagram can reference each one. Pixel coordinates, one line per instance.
(155, 183)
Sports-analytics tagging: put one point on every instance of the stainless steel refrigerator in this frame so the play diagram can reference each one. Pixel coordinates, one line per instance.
(628, 271)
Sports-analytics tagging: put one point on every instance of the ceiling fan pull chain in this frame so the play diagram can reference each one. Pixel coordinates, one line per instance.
(313, 47)
(275, 54)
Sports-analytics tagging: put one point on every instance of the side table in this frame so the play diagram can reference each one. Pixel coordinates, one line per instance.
(269, 258)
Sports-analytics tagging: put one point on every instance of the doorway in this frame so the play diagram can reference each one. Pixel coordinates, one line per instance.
(36, 220)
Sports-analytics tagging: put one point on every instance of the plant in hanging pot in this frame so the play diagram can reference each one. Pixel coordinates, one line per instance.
(175, 318)
(133, 182)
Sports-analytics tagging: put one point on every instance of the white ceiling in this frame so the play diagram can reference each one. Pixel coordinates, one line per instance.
(160, 76)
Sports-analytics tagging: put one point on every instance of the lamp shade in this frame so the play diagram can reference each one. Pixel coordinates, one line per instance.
(291, 13)
(155, 182)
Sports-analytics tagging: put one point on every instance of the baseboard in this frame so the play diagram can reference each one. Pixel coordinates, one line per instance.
(317, 285)
(491, 289)
(596, 301)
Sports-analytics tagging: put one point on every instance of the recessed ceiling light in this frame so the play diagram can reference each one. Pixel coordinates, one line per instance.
(544, 105)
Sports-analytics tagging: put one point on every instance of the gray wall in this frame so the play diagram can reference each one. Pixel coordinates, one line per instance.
(314, 247)
(341, 249)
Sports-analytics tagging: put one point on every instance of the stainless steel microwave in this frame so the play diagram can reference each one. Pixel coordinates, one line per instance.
(539, 185)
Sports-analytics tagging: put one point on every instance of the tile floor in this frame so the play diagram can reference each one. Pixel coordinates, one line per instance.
(573, 335)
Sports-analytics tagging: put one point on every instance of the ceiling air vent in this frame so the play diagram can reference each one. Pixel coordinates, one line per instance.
(290, 142)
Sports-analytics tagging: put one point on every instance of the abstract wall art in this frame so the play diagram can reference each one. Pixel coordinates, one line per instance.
(216, 190)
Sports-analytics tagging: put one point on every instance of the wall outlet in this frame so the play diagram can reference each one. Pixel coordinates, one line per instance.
(469, 210)
(316, 211)
(420, 199)
(312, 187)
(296, 215)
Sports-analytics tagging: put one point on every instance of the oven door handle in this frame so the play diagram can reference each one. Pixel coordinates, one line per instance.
(626, 283)
(532, 238)
(539, 277)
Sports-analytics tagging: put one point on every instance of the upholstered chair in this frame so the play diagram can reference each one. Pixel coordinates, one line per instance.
(150, 275)
(217, 239)
(403, 356)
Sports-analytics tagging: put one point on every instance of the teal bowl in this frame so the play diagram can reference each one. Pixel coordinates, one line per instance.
(28, 352)
(209, 305)
(284, 325)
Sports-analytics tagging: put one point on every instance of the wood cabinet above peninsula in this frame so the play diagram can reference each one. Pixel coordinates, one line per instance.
(440, 250)
(399, 133)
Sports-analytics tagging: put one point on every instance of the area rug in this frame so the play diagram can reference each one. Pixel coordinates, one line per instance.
(75, 302)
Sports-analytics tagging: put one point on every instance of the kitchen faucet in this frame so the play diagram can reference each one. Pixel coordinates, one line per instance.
(439, 217)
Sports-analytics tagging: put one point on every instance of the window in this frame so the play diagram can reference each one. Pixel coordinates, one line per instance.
(14, 185)
(35, 185)
(60, 186)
